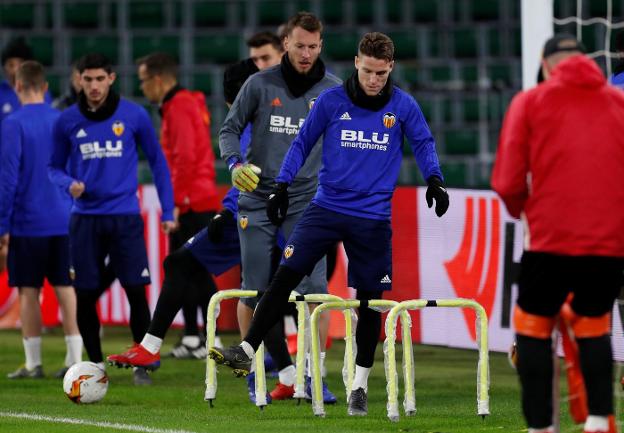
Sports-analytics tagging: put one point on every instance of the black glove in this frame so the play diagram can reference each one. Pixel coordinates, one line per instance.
(277, 204)
(437, 191)
(216, 224)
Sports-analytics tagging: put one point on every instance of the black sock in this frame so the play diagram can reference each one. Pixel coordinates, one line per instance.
(597, 367)
(275, 343)
(89, 323)
(272, 305)
(535, 369)
(367, 330)
(139, 311)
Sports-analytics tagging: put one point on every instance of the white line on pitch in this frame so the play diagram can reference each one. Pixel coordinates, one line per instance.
(131, 427)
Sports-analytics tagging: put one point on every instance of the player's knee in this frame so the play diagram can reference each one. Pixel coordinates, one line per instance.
(532, 325)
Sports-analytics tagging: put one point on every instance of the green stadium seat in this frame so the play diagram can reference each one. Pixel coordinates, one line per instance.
(143, 45)
(394, 13)
(17, 15)
(411, 75)
(340, 45)
(142, 14)
(461, 142)
(500, 75)
(485, 10)
(405, 44)
(210, 14)
(84, 44)
(54, 85)
(494, 43)
(276, 12)
(441, 73)
(223, 174)
(136, 87)
(465, 43)
(469, 74)
(218, 48)
(81, 15)
(470, 109)
(425, 11)
(599, 9)
(43, 49)
(454, 173)
(203, 82)
(365, 11)
(332, 11)
(426, 106)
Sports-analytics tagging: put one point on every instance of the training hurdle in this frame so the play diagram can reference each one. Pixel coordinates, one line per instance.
(346, 305)
(483, 369)
(303, 338)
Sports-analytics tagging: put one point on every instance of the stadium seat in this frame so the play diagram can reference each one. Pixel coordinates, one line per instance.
(485, 10)
(426, 106)
(143, 45)
(203, 82)
(17, 15)
(340, 45)
(441, 73)
(54, 85)
(411, 76)
(332, 11)
(500, 75)
(465, 43)
(213, 14)
(365, 12)
(469, 74)
(406, 44)
(84, 44)
(462, 141)
(81, 15)
(394, 13)
(146, 14)
(470, 109)
(275, 12)
(454, 173)
(218, 48)
(43, 49)
(425, 11)
(223, 174)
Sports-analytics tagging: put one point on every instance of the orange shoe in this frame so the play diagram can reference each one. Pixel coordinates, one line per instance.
(283, 392)
(136, 356)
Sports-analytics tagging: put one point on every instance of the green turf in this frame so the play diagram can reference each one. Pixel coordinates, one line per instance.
(445, 396)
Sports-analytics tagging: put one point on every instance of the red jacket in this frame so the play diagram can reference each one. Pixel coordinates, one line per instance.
(185, 138)
(560, 162)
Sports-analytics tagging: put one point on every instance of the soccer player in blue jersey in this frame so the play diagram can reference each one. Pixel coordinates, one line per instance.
(35, 214)
(363, 124)
(95, 158)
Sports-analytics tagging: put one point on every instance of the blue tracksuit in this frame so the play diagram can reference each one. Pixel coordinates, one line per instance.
(103, 155)
(361, 151)
(30, 205)
(9, 101)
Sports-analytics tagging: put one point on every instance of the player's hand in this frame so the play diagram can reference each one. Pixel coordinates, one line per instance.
(277, 204)
(437, 191)
(245, 177)
(216, 225)
(168, 226)
(76, 188)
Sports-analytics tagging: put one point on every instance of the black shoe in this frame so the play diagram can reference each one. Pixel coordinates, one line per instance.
(60, 374)
(358, 405)
(141, 377)
(23, 372)
(234, 357)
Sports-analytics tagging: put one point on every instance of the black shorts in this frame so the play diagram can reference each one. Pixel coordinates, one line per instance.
(31, 259)
(546, 279)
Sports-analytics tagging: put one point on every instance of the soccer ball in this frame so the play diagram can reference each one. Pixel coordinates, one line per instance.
(85, 382)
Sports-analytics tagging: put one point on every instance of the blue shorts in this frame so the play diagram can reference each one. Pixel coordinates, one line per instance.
(120, 237)
(31, 259)
(367, 242)
(216, 257)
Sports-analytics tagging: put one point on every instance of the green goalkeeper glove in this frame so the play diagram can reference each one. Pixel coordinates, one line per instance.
(245, 177)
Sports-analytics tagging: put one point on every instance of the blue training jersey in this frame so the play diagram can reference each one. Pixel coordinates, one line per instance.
(230, 200)
(361, 151)
(617, 80)
(30, 204)
(9, 102)
(104, 154)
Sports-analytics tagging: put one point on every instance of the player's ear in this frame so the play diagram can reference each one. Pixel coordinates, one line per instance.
(45, 87)
(112, 77)
(357, 62)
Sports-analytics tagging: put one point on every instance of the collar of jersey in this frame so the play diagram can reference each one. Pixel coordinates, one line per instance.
(104, 112)
(298, 83)
(362, 100)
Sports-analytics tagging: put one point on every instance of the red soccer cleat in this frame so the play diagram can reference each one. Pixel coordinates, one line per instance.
(283, 392)
(136, 356)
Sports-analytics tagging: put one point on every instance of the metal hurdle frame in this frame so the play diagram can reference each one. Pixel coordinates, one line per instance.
(483, 369)
(303, 336)
(346, 305)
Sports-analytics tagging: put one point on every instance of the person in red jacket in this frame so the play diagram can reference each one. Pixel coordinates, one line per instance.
(560, 167)
(185, 138)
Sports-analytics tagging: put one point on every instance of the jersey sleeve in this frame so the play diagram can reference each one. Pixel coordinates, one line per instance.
(11, 150)
(313, 127)
(61, 148)
(146, 138)
(183, 136)
(421, 141)
(509, 176)
(240, 114)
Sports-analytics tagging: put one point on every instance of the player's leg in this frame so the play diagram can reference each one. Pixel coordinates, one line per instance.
(542, 290)
(58, 274)
(26, 265)
(368, 246)
(597, 284)
(309, 240)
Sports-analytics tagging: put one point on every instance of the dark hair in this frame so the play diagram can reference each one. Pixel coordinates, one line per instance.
(306, 21)
(31, 75)
(377, 45)
(94, 61)
(264, 38)
(159, 64)
(235, 76)
(17, 48)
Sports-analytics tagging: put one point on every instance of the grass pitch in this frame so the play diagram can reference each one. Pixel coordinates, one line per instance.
(445, 397)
